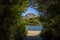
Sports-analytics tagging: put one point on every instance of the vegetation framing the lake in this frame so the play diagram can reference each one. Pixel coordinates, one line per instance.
(50, 19)
(11, 25)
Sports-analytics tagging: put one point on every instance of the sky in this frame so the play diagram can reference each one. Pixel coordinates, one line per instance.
(30, 9)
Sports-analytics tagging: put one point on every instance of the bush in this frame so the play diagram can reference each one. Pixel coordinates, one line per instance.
(50, 19)
(10, 14)
(46, 34)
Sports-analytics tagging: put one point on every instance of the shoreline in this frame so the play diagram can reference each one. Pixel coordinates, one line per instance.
(33, 33)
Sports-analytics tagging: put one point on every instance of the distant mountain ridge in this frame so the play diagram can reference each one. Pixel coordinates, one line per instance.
(30, 15)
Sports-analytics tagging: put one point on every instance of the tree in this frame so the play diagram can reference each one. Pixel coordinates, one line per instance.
(10, 19)
(50, 19)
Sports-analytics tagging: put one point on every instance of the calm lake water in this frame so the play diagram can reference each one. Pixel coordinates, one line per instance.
(34, 28)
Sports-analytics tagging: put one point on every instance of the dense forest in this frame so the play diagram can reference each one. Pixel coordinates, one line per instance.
(13, 27)
(50, 19)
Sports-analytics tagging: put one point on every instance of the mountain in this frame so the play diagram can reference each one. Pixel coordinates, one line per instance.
(30, 15)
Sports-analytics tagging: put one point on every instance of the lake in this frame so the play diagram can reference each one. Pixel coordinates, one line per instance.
(34, 28)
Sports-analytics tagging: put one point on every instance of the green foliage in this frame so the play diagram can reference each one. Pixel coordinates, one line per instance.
(50, 20)
(31, 21)
(10, 19)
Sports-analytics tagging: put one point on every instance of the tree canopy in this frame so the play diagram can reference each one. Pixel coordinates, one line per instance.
(50, 19)
(11, 27)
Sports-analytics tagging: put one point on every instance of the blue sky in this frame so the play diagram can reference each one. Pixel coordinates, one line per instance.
(30, 9)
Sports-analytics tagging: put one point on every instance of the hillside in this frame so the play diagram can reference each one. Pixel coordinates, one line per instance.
(30, 15)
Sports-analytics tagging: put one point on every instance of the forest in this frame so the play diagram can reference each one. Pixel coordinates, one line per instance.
(13, 27)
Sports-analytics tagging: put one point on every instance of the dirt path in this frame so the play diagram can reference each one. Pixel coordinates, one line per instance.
(33, 35)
